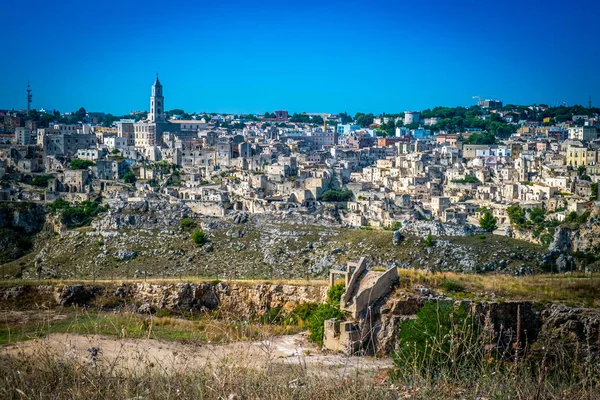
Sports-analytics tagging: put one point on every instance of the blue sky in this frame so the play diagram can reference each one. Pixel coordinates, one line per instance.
(316, 56)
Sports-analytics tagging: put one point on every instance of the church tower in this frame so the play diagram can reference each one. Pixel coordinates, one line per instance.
(157, 103)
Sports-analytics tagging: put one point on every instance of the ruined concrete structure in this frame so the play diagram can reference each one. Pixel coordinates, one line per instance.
(364, 288)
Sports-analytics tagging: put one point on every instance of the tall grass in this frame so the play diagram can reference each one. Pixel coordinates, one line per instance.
(45, 377)
(448, 346)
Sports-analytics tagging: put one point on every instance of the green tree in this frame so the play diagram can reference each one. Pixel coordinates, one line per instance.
(41, 180)
(80, 114)
(316, 119)
(537, 215)
(337, 195)
(345, 118)
(81, 164)
(129, 177)
(516, 215)
(364, 120)
(488, 222)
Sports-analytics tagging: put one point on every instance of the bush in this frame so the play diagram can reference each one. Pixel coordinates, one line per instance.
(187, 224)
(273, 316)
(316, 322)
(428, 241)
(452, 286)
(199, 238)
(317, 315)
(337, 195)
(467, 179)
(81, 164)
(334, 294)
(80, 214)
(41, 180)
(537, 215)
(594, 189)
(546, 239)
(516, 215)
(302, 312)
(129, 177)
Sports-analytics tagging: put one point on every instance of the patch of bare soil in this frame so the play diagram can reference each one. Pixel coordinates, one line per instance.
(170, 356)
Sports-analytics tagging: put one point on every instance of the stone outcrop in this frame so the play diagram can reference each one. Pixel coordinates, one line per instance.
(434, 228)
(28, 218)
(576, 329)
(79, 295)
(233, 297)
(145, 214)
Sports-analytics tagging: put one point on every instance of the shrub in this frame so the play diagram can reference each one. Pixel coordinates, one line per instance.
(129, 177)
(571, 217)
(466, 179)
(316, 322)
(537, 215)
(428, 241)
(452, 286)
(443, 340)
(303, 312)
(77, 215)
(337, 195)
(546, 239)
(273, 316)
(334, 294)
(81, 164)
(316, 316)
(199, 238)
(41, 180)
(187, 224)
(594, 190)
(516, 215)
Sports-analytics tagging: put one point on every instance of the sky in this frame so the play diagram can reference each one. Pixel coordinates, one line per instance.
(315, 56)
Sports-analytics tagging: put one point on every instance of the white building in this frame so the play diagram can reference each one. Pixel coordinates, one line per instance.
(412, 117)
(583, 133)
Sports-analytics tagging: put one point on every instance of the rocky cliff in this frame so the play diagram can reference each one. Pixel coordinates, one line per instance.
(22, 217)
(239, 298)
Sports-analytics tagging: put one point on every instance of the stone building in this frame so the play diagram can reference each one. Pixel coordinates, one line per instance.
(149, 133)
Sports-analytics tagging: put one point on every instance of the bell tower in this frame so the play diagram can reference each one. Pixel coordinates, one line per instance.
(157, 103)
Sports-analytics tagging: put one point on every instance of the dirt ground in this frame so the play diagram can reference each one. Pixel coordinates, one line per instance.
(292, 351)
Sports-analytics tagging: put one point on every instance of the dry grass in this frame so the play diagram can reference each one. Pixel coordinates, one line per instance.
(571, 289)
(197, 327)
(44, 377)
(186, 279)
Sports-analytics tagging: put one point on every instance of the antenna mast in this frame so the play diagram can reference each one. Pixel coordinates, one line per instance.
(28, 98)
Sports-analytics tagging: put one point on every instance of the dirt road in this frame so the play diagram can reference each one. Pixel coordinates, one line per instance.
(293, 351)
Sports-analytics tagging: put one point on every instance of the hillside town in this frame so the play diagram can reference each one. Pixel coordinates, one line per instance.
(375, 171)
